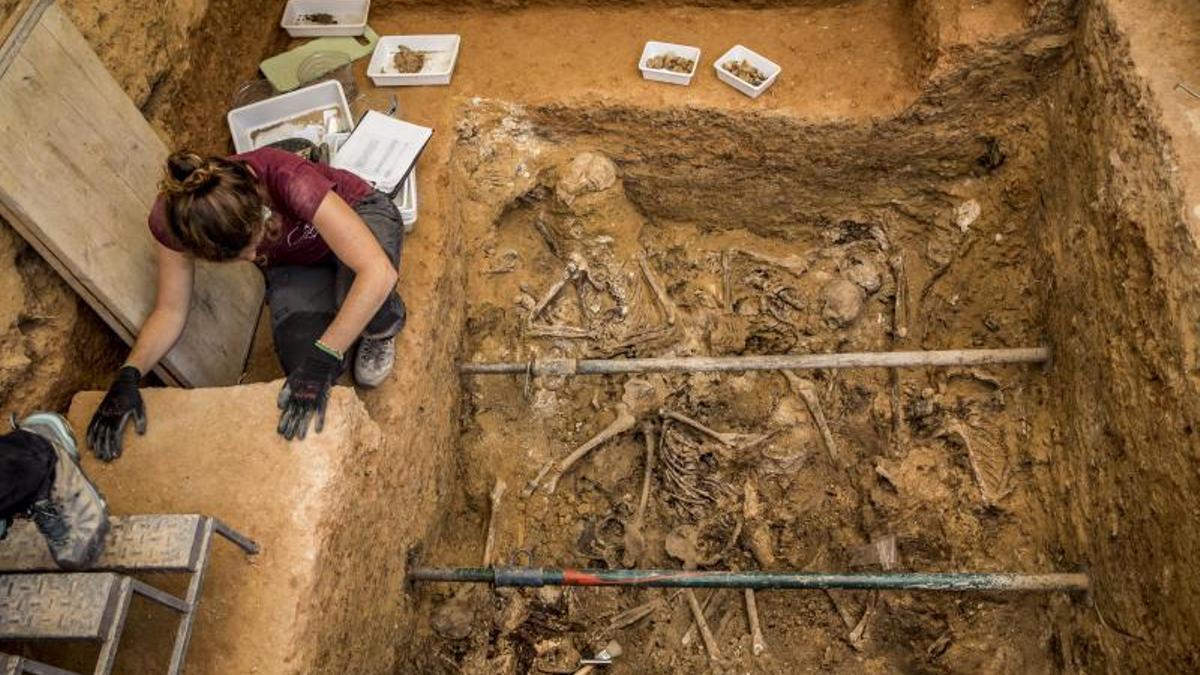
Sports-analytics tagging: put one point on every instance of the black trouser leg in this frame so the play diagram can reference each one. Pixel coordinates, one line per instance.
(383, 219)
(26, 472)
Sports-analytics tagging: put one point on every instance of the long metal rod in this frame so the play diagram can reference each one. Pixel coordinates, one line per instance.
(697, 364)
(892, 581)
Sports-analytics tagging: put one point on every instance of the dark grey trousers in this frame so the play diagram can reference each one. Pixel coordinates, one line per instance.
(304, 299)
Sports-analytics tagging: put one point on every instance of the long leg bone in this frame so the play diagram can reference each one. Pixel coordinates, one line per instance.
(690, 636)
(635, 541)
(807, 391)
(664, 302)
(710, 643)
(555, 331)
(791, 264)
(490, 543)
(623, 422)
(756, 635)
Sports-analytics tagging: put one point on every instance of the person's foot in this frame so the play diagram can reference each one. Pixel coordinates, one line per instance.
(374, 360)
(73, 517)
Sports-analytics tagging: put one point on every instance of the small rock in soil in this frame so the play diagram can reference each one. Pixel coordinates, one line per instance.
(843, 302)
(407, 60)
(671, 62)
(588, 172)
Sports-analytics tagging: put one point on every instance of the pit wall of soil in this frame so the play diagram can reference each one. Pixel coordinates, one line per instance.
(1122, 271)
(163, 55)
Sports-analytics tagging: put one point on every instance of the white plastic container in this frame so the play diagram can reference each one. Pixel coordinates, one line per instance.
(406, 201)
(351, 17)
(738, 53)
(441, 55)
(654, 49)
(244, 122)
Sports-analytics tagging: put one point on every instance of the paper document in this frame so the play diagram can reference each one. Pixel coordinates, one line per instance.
(382, 150)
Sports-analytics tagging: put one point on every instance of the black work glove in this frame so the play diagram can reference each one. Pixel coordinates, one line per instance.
(122, 403)
(306, 392)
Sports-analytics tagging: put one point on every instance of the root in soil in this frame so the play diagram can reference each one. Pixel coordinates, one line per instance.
(671, 62)
(407, 60)
(745, 71)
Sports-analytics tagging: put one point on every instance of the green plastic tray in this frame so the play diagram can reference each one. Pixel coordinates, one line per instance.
(281, 69)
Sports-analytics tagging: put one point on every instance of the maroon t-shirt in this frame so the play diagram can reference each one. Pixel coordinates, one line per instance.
(295, 187)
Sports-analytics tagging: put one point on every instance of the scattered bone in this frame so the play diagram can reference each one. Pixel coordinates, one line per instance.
(758, 533)
(726, 439)
(682, 470)
(514, 613)
(900, 317)
(631, 341)
(966, 214)
(570, 273)
(710, 643)
(588, 172)
(858, 636)
(864, 275)
(641, 396)
(454, 618)
(756, 635)
(807, 391)
(797, 266)
(507, 263)
(635, 541)
(623, 422)
(985, 477)
(841, 302)
(660, 295)
(607, 655)
(635, 614)
(558, 331)
(690, 636)
(726, 282)
(490, 543)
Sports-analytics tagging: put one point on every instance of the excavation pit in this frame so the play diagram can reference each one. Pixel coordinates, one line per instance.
(593, 246)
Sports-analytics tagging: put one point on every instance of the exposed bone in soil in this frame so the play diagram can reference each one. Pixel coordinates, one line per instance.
(671, 62)
(748, 472)
(408, 60)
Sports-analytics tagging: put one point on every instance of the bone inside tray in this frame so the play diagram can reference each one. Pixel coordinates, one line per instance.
(311, 126)
(433, 61)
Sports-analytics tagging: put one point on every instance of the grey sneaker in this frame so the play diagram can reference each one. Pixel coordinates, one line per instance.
(74, 516)
(374, 360)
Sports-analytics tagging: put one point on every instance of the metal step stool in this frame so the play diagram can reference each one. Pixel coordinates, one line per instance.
(19, 665)
(135, 544)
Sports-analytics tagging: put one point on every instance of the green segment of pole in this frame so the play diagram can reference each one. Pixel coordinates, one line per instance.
(890, 581)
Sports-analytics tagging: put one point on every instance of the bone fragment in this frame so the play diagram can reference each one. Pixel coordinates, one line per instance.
(859, 635)
(756, 635)
(710, 643)
(610, 653)
(726, 281)
(623, 422)
(791, 264)
(900, 316)
(807, 391)
(556, 331)
(664, 302)
(727, 439)
(551, 294)
(758, 533)
(690, 635)
(635, 541)
(490, 543)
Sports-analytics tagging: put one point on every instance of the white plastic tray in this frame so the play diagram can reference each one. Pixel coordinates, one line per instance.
(441, 57)
(406, 201)
(653, 49)
(737, 53)
(351, 16)
(245, 121)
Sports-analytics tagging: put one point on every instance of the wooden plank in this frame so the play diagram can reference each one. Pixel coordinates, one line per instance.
(78, 175)
(15, 27)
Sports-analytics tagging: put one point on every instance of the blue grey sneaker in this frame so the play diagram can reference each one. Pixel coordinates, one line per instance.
(374, 360)
(74, 516)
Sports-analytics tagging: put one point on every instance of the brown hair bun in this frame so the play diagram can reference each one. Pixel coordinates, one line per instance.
(187, 173)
